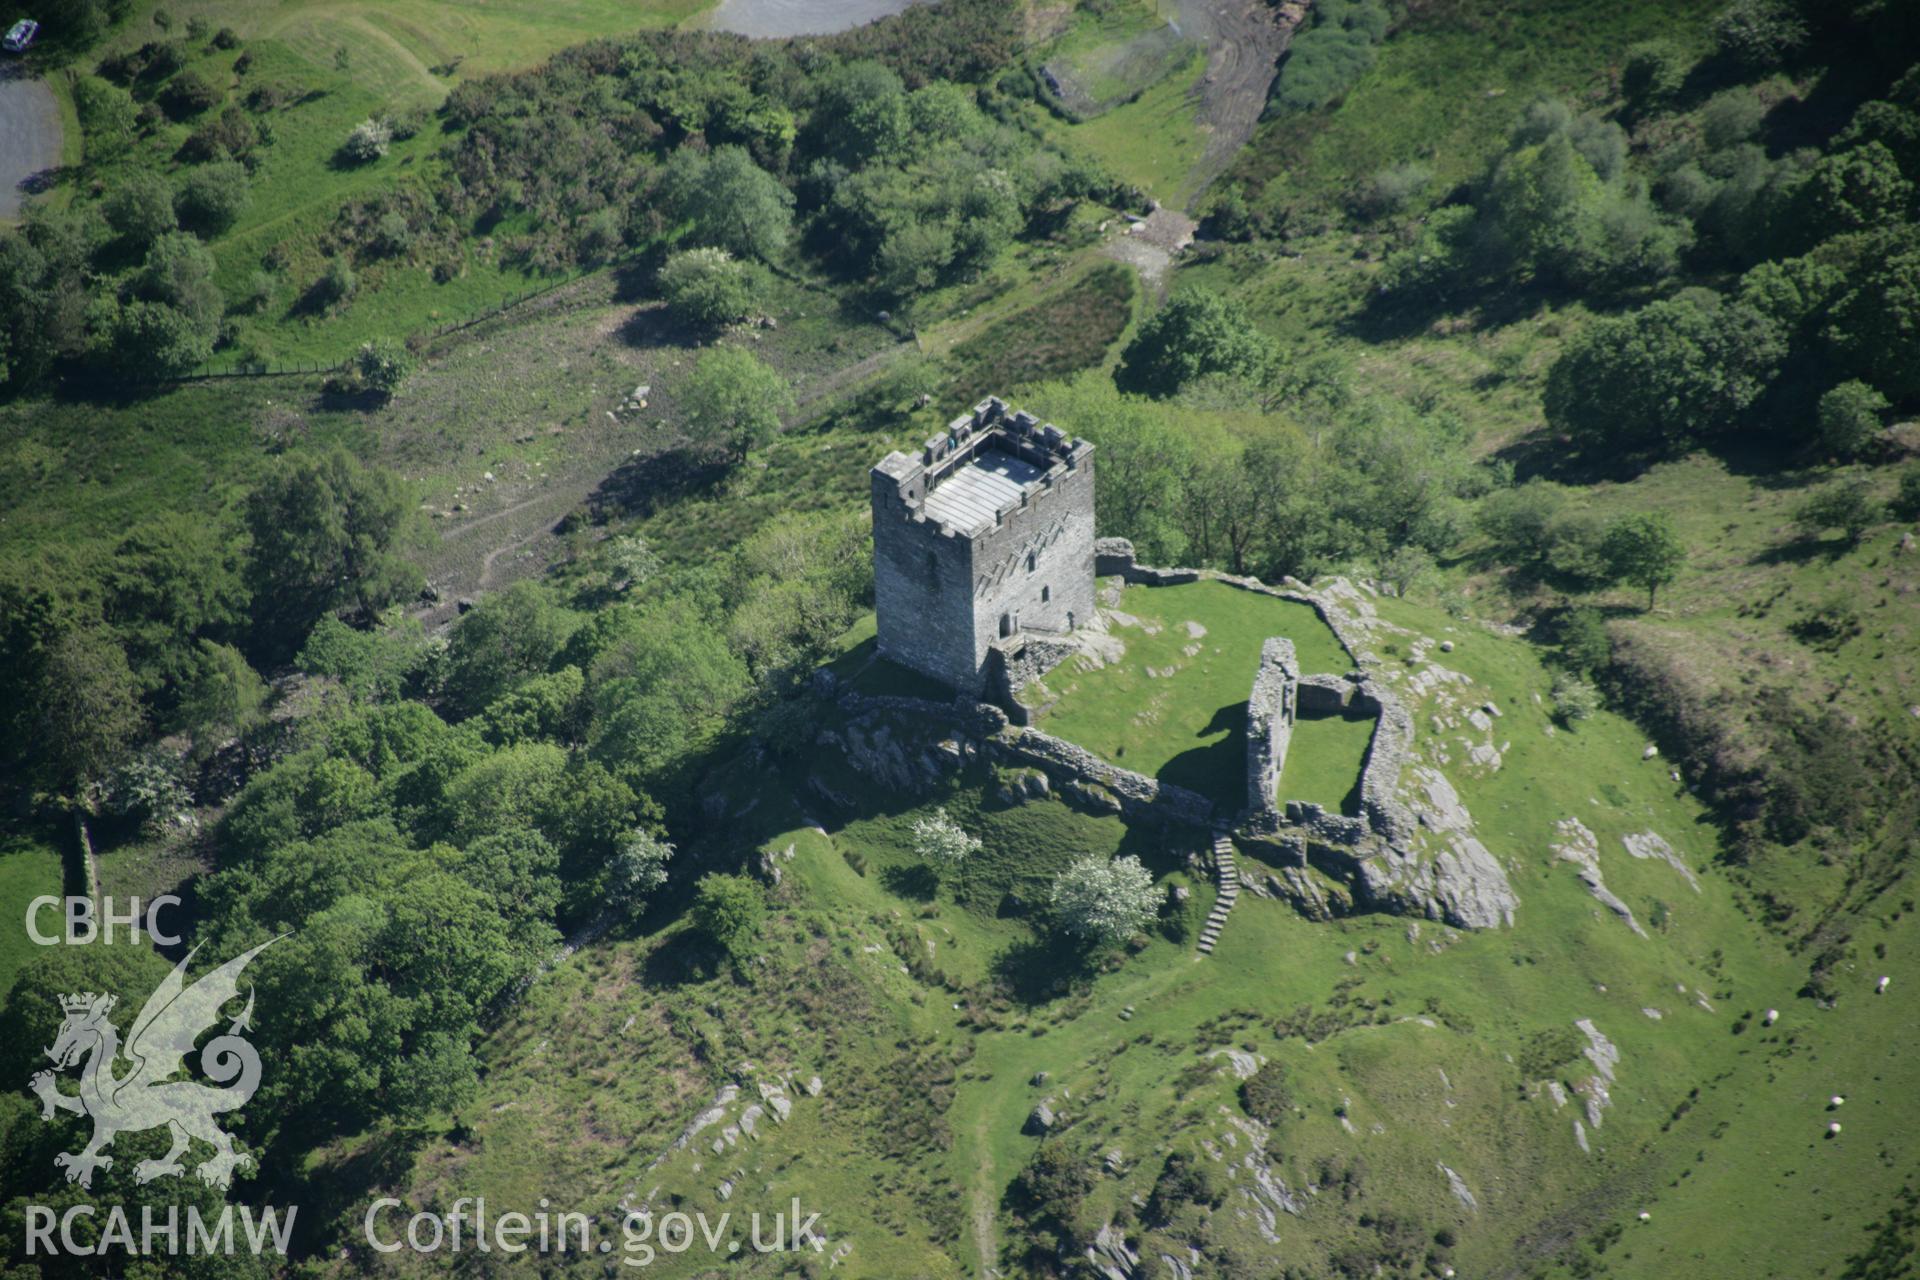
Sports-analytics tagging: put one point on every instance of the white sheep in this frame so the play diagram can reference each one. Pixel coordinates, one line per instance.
(1645, 1216)
(1833, 1130)
(1836, 1102)
(1880, 987)
(1773, 1016)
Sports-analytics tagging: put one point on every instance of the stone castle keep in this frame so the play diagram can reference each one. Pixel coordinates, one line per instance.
(983, 548)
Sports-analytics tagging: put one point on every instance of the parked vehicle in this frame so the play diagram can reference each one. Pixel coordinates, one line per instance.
(20, 35)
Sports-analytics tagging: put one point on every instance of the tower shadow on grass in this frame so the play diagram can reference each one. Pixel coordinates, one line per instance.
(1217, 770)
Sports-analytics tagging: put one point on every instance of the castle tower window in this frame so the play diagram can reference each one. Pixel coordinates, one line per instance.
(1006, 625)
(1030, 560)
(1046, 594)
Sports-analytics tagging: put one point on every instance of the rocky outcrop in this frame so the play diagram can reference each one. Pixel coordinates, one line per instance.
(1574, 843)
(1442, 870)
(1646, 844)
(1110, 1255)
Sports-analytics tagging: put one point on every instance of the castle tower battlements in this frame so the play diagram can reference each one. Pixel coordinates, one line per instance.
(984, 536)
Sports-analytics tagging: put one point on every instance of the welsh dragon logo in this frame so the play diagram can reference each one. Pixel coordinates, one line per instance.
(145, 1096)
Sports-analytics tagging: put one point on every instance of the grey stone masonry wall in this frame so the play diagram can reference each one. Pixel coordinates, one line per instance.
(1270, 712)
(1321, 693)
(948, 583)
(1021, 658)
(1386, 755)
(1134, 795)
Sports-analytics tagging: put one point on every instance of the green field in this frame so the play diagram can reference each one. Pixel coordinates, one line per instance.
(1324, 758)
(409, 50)
(1174, 707)
(1112, 54)
(1151, 142)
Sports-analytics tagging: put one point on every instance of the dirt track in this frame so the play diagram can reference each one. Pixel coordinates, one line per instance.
(1244, 40)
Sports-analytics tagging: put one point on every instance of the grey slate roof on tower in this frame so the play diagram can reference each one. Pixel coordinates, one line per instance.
(983, 537)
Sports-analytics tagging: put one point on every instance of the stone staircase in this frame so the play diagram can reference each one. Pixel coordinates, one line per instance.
(1227, 877)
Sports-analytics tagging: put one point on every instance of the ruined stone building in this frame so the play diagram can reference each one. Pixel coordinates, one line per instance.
(983, 549)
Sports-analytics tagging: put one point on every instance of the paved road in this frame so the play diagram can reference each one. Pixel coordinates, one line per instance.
(29, 135)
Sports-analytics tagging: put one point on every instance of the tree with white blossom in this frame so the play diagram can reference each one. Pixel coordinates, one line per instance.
(942, 842)
(1103, 902)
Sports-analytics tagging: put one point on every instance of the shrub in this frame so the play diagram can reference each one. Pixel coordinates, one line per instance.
(140, 209)
(228, 134)
(367, 142)
(258, 293)
(213, 197)
(271, 95)
(409, 123)
(189, 94)
(1829, 624)
(155, 60)
(392, 236)
(1759, 34)
(709, 286)
(1574, 699)
(150, 787)
(335, 285)
(178, 270)
(1731, 118)
(378, 367)
(1390, 190)
(1264, 1095)
(1906, 498)
(1545, 1052)
(1184, 1180)
(1652, 74)
(598, 236)
(1849, 416)
(108, 118)
(155, 340)
(1519, 520)
(226, 38)
(731, 911)
(1584, 644)
(1330, 58)
(1847, 505)
(1054, 1184)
